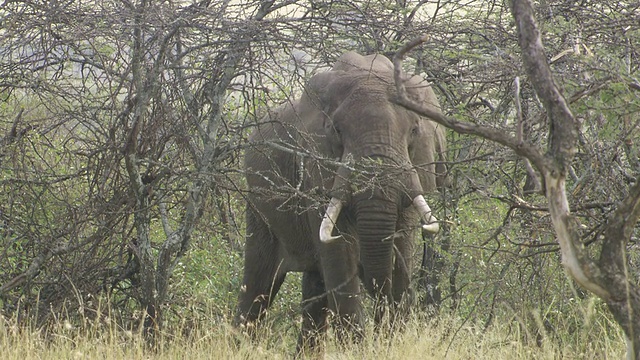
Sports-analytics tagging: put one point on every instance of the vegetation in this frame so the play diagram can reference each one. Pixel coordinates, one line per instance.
(122, 126)
(422, 339)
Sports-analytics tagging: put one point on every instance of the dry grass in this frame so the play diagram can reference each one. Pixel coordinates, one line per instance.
(447, 339)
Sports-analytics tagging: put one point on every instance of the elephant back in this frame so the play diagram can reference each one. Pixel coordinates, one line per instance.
(352, 61)
(380, 68)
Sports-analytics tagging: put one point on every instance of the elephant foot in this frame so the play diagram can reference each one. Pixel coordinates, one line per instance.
(311, 345)
(245, 327)
(348, 329)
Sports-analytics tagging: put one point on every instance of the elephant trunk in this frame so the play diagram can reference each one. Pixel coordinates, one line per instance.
(376, 226)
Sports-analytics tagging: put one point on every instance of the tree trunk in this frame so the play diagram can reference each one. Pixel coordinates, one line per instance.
(155, 273)
(608, 279)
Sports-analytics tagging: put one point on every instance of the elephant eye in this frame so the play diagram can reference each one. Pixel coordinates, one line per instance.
(415, 130)
(331, 127)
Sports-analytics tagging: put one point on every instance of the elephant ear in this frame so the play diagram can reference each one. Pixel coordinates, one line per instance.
(429, 155)
(326, 90)
(322, 95)
(442, 178)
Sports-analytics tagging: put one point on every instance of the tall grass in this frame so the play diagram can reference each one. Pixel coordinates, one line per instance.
(446, 338)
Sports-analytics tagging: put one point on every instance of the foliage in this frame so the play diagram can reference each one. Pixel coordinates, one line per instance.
(178, 86)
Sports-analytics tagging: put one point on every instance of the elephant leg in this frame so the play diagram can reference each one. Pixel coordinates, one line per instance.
(263, 272)
(314, 314)
(401, 283)
(340, 270)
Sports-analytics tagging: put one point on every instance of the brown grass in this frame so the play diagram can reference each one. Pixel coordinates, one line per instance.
(446, 339)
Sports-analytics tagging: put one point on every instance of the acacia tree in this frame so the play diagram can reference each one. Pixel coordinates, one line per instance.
(607, 277)
(133, 129)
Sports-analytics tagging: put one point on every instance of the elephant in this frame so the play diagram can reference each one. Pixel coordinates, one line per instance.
(336, 182)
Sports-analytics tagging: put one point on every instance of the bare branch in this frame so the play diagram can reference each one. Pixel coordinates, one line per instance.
(521, 148)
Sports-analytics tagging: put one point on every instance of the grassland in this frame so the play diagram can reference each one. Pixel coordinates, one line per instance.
(422, 339)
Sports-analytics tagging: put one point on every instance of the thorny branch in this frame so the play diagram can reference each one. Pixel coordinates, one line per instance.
(562, 132)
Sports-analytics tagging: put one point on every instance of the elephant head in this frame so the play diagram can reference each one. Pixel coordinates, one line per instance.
(372, 159)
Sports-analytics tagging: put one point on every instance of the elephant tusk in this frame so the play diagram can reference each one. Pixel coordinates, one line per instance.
(329, 220)
(430, 222)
